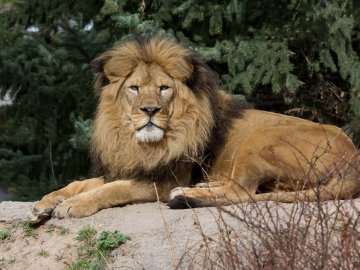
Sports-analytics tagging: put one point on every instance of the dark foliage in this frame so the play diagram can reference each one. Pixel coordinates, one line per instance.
(295, 56)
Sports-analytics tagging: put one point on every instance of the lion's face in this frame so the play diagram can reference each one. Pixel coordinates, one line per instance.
(148, 93)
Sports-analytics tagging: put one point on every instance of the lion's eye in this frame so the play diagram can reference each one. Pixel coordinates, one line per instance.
(164, 87)
(134, 88)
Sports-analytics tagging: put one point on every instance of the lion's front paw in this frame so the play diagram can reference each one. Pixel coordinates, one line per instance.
(76, 207)
(37, 214)
(43, 209)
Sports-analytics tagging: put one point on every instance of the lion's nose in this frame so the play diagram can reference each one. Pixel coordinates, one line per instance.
(150, 110)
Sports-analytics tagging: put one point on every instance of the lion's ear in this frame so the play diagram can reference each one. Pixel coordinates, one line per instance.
(113, 66)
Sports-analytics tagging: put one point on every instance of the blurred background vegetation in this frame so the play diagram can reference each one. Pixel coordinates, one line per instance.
(299, 57)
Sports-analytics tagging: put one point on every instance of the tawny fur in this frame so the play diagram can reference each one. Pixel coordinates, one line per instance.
(247, 155)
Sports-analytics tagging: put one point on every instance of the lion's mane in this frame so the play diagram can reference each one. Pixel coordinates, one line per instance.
(191, 134)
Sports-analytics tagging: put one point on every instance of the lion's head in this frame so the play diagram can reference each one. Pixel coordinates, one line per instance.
(158, 104)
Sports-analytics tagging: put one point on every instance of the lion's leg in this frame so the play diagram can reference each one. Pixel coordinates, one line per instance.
(225, 194)
(241, 185)
(111, 194)
(46, 205)
(204, 197)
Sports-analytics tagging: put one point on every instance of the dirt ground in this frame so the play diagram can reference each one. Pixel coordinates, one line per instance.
(160, 238)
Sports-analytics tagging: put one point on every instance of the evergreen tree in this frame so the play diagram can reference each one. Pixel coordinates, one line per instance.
(296, 56)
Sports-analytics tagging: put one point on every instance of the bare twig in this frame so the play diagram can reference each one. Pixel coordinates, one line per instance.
(171, 243)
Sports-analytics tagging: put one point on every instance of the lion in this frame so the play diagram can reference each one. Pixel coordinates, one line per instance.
(164, 131)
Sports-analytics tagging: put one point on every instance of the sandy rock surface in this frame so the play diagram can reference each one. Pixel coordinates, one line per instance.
(160, 238)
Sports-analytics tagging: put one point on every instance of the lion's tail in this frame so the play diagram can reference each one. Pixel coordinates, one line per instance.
(343, 189)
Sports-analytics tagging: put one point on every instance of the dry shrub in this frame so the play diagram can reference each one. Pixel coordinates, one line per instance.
(269, 235)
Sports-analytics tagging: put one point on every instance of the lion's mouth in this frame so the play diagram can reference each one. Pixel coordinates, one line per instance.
(149, 125)
(150, 132)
